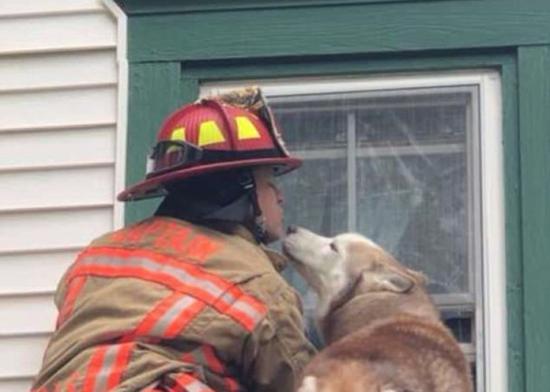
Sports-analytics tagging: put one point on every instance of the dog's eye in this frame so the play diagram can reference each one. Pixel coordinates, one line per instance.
(333, 247)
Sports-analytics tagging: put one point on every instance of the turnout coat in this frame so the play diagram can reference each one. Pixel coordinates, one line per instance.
(165, 305)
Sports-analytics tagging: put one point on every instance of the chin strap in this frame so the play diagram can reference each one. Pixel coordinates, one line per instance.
(239, 211)
(249, 185)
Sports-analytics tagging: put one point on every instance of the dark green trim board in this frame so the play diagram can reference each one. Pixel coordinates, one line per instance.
(341, 66)
(155, 91)
(512, 203)
(375, 28)
(137, 7)
(534, 103)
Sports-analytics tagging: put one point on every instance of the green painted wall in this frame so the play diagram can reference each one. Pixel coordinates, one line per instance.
(176, 45)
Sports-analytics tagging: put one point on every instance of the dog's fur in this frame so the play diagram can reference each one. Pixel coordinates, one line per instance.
(382, 329)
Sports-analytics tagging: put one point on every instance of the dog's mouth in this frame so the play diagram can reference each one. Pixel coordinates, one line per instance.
(292, 256)
(288, 253)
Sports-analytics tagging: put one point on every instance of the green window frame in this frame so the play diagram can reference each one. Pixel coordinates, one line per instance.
(480, 302)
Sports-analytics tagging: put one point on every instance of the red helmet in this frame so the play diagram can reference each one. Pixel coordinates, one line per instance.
(214, 134)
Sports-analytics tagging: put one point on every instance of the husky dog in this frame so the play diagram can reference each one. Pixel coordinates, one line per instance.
(382, 330)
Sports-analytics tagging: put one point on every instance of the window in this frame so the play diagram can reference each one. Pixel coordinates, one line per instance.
(414, 163)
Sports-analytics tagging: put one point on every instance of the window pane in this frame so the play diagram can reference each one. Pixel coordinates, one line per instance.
(395, 166)
(411, 182)
(414, 206)
(311, 129)
(412, 118)
(317, 195)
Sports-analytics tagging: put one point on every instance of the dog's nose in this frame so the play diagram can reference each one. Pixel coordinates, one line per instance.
(291, 229)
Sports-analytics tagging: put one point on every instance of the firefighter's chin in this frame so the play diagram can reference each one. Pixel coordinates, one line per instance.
(274, 231)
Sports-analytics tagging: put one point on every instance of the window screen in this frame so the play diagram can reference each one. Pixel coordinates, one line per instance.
(397, 166)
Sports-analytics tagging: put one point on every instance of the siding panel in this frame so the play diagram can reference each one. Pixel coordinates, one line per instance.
(57, 33)
(25, 355)
(57, 147)
(60, 69)
(52, 188)
(33, 272)
(41, 307)
(32, 7)
(19, 384)
(58, 108)
(53, 229)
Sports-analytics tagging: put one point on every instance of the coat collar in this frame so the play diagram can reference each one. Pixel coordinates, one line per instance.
(278, 260)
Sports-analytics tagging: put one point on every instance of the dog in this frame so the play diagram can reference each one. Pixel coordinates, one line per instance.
(382, 330)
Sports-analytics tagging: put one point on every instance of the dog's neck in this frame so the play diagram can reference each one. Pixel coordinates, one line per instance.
(346, 294)
(354, 308)
(332, 286)
(328, 305)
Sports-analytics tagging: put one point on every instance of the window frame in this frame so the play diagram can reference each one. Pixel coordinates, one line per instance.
(490, 186)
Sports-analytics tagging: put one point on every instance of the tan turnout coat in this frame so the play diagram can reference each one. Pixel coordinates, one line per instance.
(164, 305)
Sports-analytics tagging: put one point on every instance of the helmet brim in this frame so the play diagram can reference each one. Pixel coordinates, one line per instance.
(154, 186)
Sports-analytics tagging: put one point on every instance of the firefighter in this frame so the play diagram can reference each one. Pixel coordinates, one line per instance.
(189, 299)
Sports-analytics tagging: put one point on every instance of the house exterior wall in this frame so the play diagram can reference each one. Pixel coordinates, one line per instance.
(58, 153)
(175, 46)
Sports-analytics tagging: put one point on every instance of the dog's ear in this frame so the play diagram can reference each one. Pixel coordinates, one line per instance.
(387, 281)
(420, 277)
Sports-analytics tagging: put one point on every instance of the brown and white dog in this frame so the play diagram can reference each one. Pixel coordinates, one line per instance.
(382, 330)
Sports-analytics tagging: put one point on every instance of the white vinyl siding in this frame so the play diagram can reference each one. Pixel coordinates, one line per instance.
(58, 161)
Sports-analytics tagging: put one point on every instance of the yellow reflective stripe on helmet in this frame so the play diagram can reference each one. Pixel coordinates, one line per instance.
(178, 134)
(245, 129)
(209, 133)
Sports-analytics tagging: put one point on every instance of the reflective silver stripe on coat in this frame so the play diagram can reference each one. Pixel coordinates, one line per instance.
(181, 275)
(106, 368)
(170, 315)
(244, 307)
(197, 386)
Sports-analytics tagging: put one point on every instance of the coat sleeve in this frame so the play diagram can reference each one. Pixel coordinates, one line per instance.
(277, 350)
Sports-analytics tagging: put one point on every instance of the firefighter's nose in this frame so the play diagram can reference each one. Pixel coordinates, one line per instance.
(291, 229)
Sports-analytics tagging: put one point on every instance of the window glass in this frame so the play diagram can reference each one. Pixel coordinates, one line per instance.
(395, 166)
(407, 160)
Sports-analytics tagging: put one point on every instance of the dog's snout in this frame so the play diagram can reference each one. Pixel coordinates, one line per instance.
(291, 229)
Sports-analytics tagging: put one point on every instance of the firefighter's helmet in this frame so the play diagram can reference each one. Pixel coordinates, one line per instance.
(219, 133)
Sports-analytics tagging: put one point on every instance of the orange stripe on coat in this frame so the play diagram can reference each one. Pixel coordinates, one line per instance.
(93, 368)
(119, 367)
(200, 248)
(154, 315)
(183, 319)
(75, 286)
(174, 282)
(191, 269)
